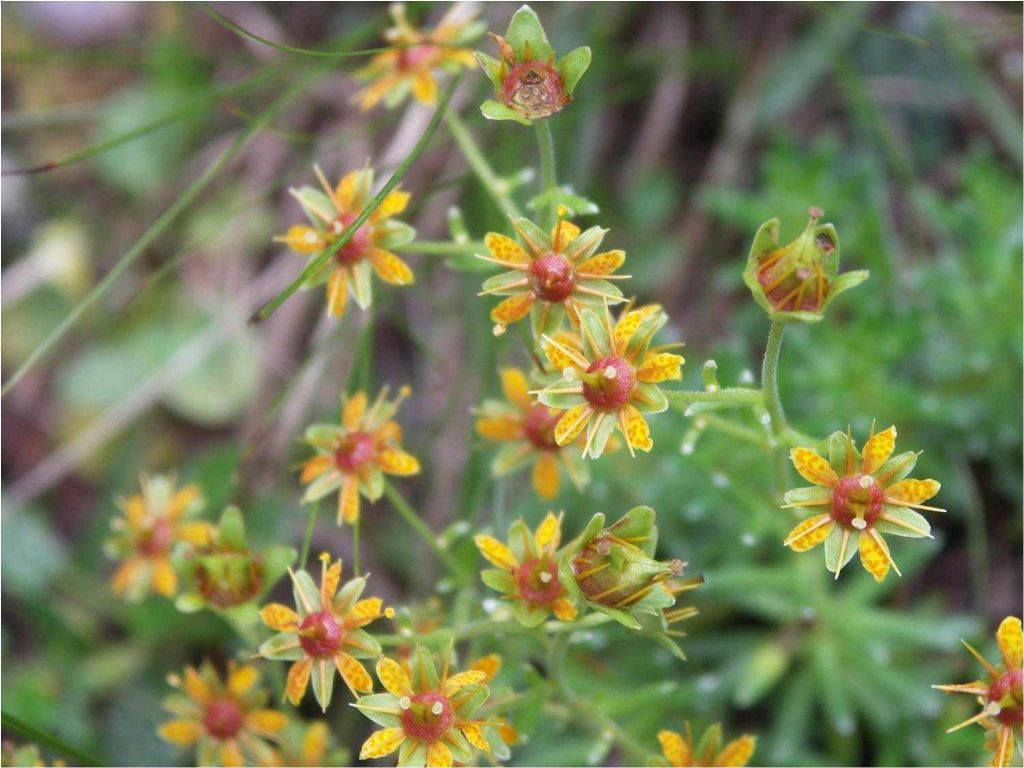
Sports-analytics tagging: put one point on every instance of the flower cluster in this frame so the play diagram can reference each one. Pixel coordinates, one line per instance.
(680, 752)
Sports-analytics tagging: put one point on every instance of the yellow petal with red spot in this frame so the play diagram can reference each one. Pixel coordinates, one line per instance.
(330, 580)
(512, 309)
(163, 578)
(348, 501)
(675, 748)
(873, 557)
(572, 423)
(812, 467)
(241, 679)
(298, 679)
(506, 249)
(315, 467)
(364, 612)
(303, 239)
(352, 411)
(337, 292)
(267, 721)
(382, 743)
(344, 193)
(601, 264)
(314, 743)
(279, 618)
(370, 96)
(495, 552)
(395, 461)
(424, 87)
(635, 429)
(474, 735)
(877, 450)
(124, 575)
(1009, 638)
(389, 433)
(461, 680)
(196, 687)
(912, 491)
(231, 755)
(515, 387)
(663, 366)
(546, 476)
(1002, 751)
(559, 358)
(134, 511)
(353, 673)
(390, 268)
(393, 677)
(490, 665)
(183, 733)
(737, 753)
(810, 533)
(182, 500)
(499, 428)
(549, 532)
(438, 755)
(563, 609)
(393, 204)
(629, 322)
(563, 233)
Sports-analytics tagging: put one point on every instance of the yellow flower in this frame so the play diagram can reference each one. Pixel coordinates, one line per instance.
(330, 212)
(307, 744)
(528, 431)
(527, 571)
(999, 692)
(324, 633)
(679, 750)
(225, 719)
(610, 377)
(425, 716)
(423, 55)
(550, 275)
(866, 493)
(353, 457)
(152, 523)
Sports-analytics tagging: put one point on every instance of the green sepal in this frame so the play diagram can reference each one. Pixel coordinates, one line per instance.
(766, 239)
(529, 615)
(533, 237)
(491, 67)
(596, 343)
(526, 37)
(495, 110)
(369, 706)
(395, 234)
(231, 529)
(572, 66)
(325, 435)
(349, 593)
(323, 684)
(638, 522)
(628, 620)
(585, 244)
(840, 445)
(832, 544)
(313, 200)
(900, 466)
(710, 742)
(563, 400)
(577, 204)
(423, 669)
(843, 283)
(644, 333)
(306, 594)
(283, 646)
(412, 754)
(470, 698)
(908, 516)
(371, 484)
(461, 749)
(648, 398)
(325, 484)
(361, 284)
(362, 645)
(498, 284)
(499, 580)
(601, 433)
(510, 458)
(520, 540)
(807, 493)
(546, 318)
(242, 615)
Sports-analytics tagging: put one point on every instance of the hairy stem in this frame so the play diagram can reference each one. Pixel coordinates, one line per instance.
(546, 144)
(773, 403)
(732, 397)
(496, 187)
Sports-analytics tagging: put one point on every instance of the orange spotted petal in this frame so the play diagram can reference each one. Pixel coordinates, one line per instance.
(499, 428)
(353, 673)
(393, 204)
(572, 423)
(337, 292)
(602, 263)
(1009, 638)
(546, 475)
(549, 532)
(304, 239)
(660, 367)
(279, 618)
(298, 680)
(395, 461)
(382, 743)
(812, 467)
(390, 268)
(635, 429)
(563, 233)
(873, 556)
(393, 677)
(512, 309)
(737, 753)
(675, 748)
(438, 755)
(496, 552)
(912, 491)
(506, 249)
(515, 387)
(809, 533)
(877, 450)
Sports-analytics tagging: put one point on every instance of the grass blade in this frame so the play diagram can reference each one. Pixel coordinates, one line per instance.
(51, 742)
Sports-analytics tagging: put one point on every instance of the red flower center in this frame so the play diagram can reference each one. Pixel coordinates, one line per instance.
(538, 581)
(359, 245)
(614, 385)
(156, 539)
(223, 719)
(229, 578)
(428, 717)
(552, 277)
(320, 634)
(416, 56)
(857, 501)
(535, 87)
(1007, 692)
(540, 427)
(354, 451)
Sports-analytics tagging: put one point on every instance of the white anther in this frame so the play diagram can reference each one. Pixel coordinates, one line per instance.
(610, 372)
(545, 577)
(405, 702)
(993, 708)
(569, 373)
(498, 329)
(866, 481)
(859, 523)
(438, 708)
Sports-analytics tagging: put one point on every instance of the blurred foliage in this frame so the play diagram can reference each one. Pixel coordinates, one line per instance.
(902, 122)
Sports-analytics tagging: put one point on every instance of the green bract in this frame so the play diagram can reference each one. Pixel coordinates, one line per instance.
(228, 577)
(528, 83)
(796, 282)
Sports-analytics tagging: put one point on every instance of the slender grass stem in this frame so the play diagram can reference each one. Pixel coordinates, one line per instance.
(47, 740)
(318, 263)
(307, 539)
(546, 144)
(443, 248)
(355, 547)
(496, 187)
(158, 227)
(416, 523)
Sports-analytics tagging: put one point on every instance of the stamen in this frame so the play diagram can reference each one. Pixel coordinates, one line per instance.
(437, 708)
(545, 576)
(405, 702)
(610, 372)
(866, 481)
(859, 523)
(498, 329)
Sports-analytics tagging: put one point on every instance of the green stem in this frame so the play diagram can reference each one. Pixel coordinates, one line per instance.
(318, 263)
(770, 380)
(443, 248)
(416, 523)
(355, 547)
(51, 742)
(496, 188)
(732, 397)
(160, 225)
(483, 627)
(739, 431)
(585, 713)
(546, 144)
(308, 538)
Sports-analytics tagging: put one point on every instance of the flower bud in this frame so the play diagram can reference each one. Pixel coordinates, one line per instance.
(796, 282)
(528, 83)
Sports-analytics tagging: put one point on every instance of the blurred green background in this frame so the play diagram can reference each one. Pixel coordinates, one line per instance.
(694, 124)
